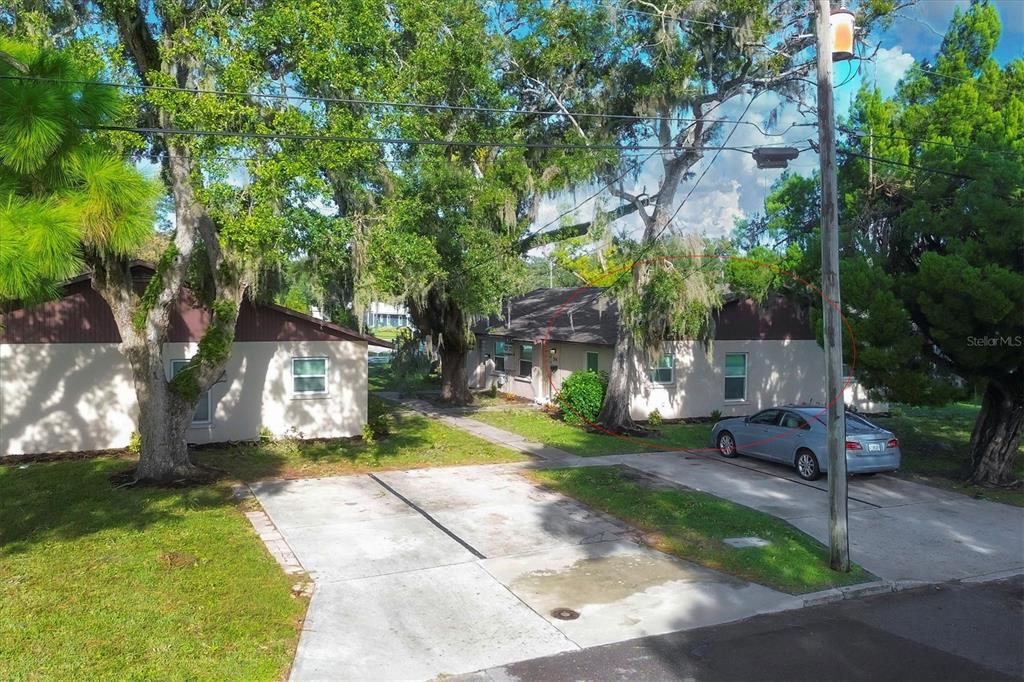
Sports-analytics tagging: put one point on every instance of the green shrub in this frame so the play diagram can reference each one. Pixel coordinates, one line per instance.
(378, 419)
(581, 396)
(266, 436)
(716, 415)
(492, 392)
(135, 443)
(654, 418)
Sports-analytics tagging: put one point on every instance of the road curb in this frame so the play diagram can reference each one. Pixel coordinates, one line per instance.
(862, 590)
(998, 575)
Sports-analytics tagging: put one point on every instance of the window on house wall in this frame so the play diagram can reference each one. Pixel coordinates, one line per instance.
(525, 359)
(501, 350)
(735, 376)
(591, 361)
(203, 413)
(309, 376)
(661, 369)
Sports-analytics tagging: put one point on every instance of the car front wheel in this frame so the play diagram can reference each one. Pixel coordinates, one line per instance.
(726, 444)
(807, 465)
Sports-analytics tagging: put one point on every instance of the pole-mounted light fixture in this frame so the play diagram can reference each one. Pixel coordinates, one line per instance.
(842, 24)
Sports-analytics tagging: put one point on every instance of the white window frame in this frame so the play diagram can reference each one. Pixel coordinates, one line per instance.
(326, 375)
(506, 357)
(746, 376)
(597, 361)
(205, 394)
(654, 367)
(519, 366)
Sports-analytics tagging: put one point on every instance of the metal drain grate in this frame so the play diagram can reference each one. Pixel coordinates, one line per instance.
(565, 614)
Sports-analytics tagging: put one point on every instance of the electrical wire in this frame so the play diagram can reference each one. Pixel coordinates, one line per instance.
(391, 104)
(608, 185)
(953, 145)
(304, 137)
(712, 24)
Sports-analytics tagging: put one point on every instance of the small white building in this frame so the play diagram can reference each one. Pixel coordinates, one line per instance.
(761, 355)
(65, 386)
(380, 314)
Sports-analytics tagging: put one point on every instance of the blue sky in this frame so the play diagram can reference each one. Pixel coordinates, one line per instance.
(734, 187)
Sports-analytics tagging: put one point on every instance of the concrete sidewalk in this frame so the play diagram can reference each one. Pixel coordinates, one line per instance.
(447, 571)
(456, 417)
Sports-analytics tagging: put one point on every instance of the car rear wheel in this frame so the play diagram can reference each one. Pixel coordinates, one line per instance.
(807, 465)
(727, 444)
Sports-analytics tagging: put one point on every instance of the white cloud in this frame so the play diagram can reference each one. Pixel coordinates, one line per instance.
(889, 66)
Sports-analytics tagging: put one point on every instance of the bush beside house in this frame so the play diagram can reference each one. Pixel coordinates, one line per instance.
(581, 396)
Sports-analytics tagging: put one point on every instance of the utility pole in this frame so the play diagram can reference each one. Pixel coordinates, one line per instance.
(839, 541)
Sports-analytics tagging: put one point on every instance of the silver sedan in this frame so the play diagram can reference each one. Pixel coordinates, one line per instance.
(796, 435)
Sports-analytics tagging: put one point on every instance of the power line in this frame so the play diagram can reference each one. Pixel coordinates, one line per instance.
(960, 176)
(609, 184)
(704, 172)
(961, 79)
(304, 137)
(665, 15)
(390, 104)
(953, 145)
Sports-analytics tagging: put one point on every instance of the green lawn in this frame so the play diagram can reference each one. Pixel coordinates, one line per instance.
(548, 430)
(415, 442)
(692, 525)
(934, 443)
(382, 378)
(98, 583)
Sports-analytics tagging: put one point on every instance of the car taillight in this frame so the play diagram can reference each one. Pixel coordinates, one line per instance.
(853, 445)
(893, 443)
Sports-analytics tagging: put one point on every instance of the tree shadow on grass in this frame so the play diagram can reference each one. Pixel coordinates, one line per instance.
(65, 500)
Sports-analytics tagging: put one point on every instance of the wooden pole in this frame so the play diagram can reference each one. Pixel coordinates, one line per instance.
(839, 541)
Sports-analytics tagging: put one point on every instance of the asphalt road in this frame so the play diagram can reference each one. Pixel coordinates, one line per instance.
(957, 631)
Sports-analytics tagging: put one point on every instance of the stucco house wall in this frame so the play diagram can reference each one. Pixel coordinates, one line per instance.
(64, 397)
(65, 386)
(784, 363)
(76, 397)
(778, 372)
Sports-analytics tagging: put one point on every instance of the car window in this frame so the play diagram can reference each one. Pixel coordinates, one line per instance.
(793, 421)
(767, 417)
(855, 423)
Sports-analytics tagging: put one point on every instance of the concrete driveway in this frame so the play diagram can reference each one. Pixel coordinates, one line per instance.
(447, 571)
(899, 530)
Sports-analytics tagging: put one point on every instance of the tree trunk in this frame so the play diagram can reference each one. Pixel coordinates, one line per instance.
(454, 353)
(164, 417)
(454, 377)
(614, 415)
(439, 316)
(997, 433)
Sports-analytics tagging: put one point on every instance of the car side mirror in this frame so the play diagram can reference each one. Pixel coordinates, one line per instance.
(746, 420)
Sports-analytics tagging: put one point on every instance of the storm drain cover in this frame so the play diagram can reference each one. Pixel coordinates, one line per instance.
(746, 542)
(565, 614)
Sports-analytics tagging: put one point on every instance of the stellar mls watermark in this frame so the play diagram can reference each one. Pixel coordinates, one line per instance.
(995, 341)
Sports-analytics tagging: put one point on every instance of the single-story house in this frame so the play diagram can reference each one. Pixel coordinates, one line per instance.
(65, 386)
(761, 355)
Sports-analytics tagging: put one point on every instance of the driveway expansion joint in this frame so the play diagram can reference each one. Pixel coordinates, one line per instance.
(472, 550)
